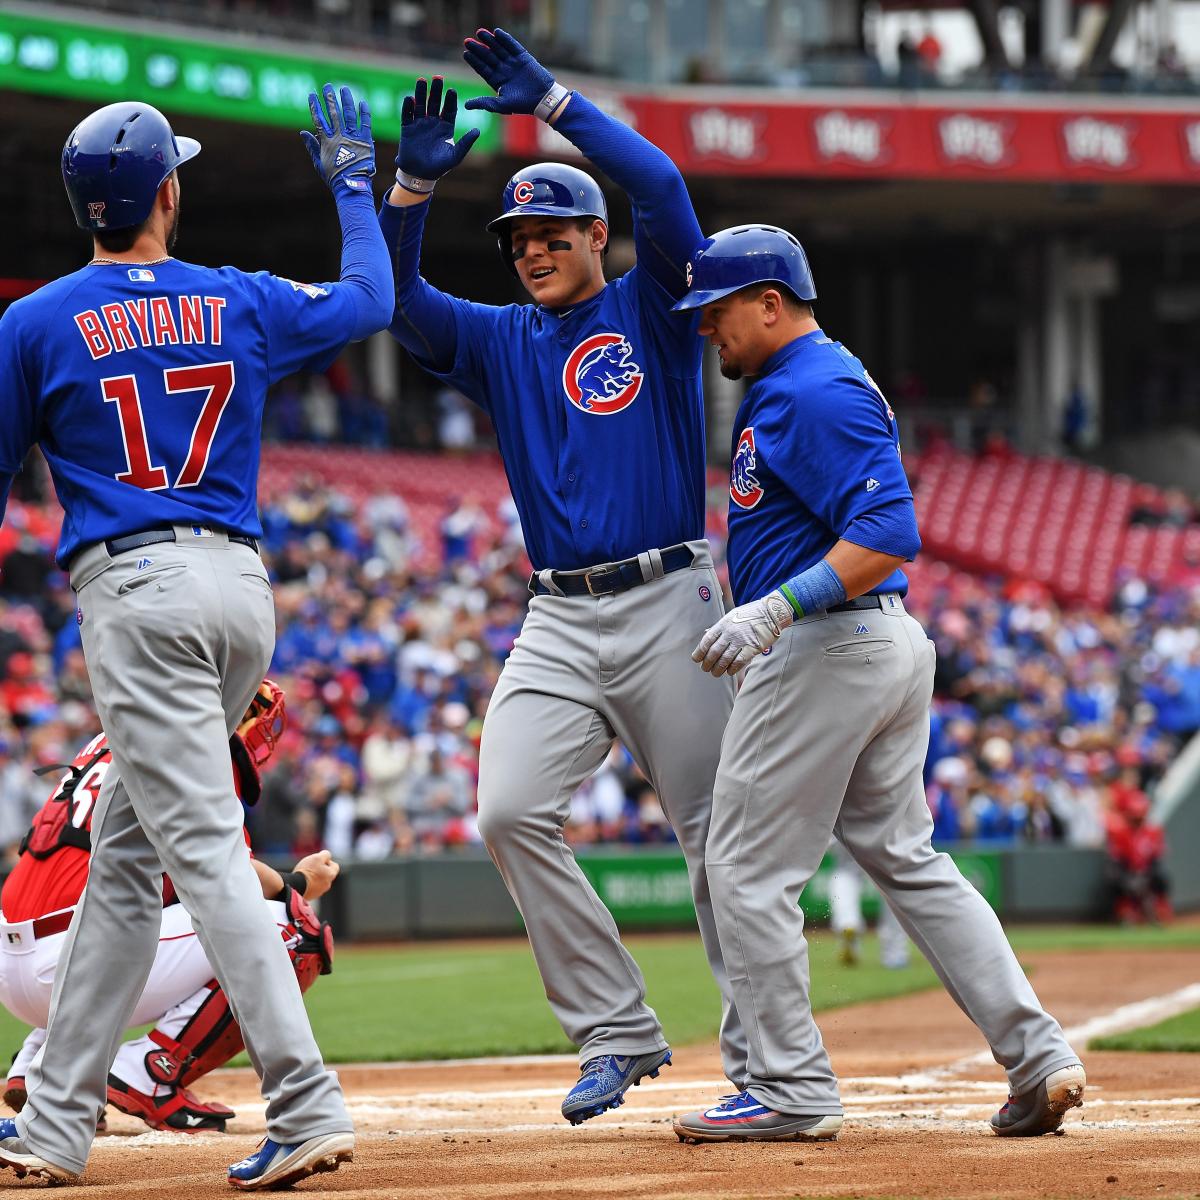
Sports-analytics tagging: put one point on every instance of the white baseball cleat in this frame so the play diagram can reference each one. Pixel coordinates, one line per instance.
(14, 1155)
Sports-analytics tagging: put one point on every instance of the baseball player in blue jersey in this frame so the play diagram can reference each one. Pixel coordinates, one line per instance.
(594, 391)
(829, 730)
(142, 378)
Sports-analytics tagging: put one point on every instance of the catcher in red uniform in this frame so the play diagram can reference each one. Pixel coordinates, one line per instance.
(194, 1028)
(1135, 851)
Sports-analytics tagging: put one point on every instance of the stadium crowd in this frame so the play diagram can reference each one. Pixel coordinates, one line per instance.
(1049, 724)
(754, 50)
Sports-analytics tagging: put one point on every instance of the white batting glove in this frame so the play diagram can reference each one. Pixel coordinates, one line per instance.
(742, 634)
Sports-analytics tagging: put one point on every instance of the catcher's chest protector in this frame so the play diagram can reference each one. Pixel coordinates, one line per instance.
(66, 818)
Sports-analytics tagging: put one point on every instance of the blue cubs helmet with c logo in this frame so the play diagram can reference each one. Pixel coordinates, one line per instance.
(744, 255)
(115, 161)
(546, 190)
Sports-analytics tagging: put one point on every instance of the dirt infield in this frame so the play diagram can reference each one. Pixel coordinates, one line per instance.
(916, 1088)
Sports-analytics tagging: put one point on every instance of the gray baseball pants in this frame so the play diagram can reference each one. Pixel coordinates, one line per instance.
(177, 637)
(828, 737)
(586, 669)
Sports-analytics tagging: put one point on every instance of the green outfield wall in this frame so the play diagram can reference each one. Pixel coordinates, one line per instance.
(462, 894)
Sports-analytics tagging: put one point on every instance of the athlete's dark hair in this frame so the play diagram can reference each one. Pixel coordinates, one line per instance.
(118, 241)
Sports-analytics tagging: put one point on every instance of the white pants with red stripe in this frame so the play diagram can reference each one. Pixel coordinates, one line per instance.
(175, 989)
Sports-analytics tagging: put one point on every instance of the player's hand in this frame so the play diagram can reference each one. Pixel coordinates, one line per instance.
(520, 81)
(743, 633)
(341, 147)
(427, 146)
(320, 871)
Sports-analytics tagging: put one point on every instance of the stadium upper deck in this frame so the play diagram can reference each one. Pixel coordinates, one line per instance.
(1035, 45)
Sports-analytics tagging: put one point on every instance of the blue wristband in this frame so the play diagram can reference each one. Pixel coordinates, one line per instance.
(814, 590)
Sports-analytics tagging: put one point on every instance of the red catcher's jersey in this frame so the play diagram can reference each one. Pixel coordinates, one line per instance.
(53, 867)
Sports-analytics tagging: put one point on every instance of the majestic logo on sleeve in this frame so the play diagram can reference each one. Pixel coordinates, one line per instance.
(744, 488)
(600, 375)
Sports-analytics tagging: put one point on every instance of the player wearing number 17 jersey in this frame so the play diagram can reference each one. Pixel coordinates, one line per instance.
(143, 379)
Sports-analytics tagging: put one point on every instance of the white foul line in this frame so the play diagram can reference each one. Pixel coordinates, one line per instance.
(1128, 1016)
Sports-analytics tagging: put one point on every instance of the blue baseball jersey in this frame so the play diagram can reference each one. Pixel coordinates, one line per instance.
(599, 417)
(598, 408)
(144, 386)
(816, 453)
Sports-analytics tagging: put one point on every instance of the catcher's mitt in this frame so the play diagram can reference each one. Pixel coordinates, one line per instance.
(264, 722)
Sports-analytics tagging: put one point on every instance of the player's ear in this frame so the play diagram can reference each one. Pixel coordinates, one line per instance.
(168, 193)
(598, 236)
(771, 304)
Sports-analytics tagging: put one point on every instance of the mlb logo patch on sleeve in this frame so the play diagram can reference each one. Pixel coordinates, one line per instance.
(309, 289)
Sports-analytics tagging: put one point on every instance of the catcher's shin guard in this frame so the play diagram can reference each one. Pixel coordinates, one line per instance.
(169, 1108)
(212, 1037)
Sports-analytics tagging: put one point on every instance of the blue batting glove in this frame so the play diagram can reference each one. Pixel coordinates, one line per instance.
(427, 146)
(342, 149)
(522, 84)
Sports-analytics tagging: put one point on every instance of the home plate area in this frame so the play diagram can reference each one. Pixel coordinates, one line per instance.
(917, 1091)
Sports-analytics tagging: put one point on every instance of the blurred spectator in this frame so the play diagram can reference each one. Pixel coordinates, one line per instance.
(1045, 715)
(462, 522)
(395, 614)
(437, 802)
(909, 61)
(1135, 850)
(1075, 420)
(598, 806)
(929, 49)
(387, 757)
(433, 32)
(948, 799)
(456, 420)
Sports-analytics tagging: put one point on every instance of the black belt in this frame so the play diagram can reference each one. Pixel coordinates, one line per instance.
(133, 541)
(859, 602)
(606, 581)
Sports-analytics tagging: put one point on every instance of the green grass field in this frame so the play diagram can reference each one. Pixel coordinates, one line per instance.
(1179, 1034)
(463, 999)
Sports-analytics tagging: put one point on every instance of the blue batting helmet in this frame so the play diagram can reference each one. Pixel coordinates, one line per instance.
(115, 161)
(744, 255)
(547, 190)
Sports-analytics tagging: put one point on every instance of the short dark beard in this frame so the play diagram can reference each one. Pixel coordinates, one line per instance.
(730, 372)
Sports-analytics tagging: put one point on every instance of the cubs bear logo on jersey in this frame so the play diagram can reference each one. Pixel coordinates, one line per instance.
(600, 375)
(744, 488)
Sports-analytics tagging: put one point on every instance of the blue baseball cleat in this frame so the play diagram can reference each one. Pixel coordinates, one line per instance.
(13, 1154)
(606, 1079)
(742, 1118)
(274, 1165)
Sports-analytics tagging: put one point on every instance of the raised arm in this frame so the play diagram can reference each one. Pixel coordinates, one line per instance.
(666, 231)
(343, 153)
(423, 318)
